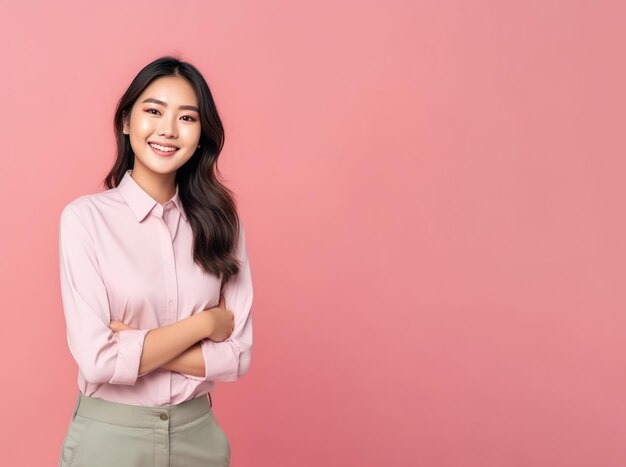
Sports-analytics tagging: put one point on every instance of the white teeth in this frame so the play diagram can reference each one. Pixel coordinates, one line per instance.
(162, 148)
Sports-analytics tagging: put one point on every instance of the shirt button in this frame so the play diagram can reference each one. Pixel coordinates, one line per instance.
(171, 302)
(164, 416)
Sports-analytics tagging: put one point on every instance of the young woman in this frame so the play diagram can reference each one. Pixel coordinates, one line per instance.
(156, 284)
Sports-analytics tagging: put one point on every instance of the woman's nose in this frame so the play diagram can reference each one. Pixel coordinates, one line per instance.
(167, 127)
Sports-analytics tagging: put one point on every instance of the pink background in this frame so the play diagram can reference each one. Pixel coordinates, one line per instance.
(434, 195)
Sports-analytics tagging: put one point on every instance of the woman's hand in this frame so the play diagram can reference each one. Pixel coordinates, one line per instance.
(117, 326)
(222, 322)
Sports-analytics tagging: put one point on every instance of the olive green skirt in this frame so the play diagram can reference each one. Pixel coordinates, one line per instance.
(106, 434)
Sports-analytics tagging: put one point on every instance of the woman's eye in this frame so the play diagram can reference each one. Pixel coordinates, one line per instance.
(150, 111)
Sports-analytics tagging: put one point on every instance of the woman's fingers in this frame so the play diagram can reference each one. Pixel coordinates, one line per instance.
(117, 326)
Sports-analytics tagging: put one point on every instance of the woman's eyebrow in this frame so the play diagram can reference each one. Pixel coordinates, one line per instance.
(182, 107)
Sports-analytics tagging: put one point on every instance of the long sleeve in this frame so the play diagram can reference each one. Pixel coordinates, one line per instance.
(103, 356)
(230, 359)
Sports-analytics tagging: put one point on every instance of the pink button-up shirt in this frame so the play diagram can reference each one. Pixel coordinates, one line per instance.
(125, 257)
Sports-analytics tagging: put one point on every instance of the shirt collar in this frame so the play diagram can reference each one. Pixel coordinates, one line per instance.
(139, 201)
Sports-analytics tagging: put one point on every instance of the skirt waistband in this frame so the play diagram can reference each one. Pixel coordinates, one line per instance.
(140, 416)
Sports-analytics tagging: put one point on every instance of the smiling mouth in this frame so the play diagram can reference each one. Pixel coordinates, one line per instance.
(162, 150)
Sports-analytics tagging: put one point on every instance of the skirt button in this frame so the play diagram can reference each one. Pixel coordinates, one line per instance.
(163, 416)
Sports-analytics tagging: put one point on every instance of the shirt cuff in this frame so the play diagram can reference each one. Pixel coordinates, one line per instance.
(221, 360)
(130, 348)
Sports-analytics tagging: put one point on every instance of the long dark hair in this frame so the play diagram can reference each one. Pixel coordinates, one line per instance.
(209, 205)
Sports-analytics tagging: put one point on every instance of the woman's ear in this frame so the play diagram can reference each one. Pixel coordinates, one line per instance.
(124, 123)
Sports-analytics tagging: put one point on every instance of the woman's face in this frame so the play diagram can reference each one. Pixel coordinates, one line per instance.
(165, 113)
